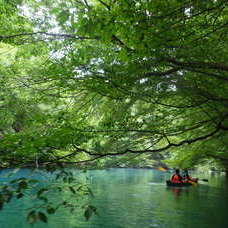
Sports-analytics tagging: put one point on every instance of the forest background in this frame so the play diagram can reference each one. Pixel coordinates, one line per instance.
(133, 83)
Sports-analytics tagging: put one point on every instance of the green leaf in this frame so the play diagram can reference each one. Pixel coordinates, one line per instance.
(20, 195)
(22, 184)
(90, 192)
(1, 204)
(41, 191)
(8, 196)
(42, 217)
(72, 189)
(88, 213)
(32, 217)
(50, 210)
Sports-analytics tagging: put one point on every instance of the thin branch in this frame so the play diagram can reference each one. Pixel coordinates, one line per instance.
(72, 36)
(197, 64)
(209, 74)
(87, 4)
(104, 4)
(164, 73)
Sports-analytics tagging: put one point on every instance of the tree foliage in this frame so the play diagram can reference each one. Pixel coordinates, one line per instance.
(86, 80)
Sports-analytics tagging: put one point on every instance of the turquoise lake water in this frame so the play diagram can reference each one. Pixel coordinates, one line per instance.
(130, 198)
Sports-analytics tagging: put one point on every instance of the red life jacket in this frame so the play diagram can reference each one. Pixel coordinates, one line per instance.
(176, 178)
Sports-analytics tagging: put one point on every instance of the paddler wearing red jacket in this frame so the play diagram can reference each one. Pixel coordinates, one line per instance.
(187, 178)
(177, 178)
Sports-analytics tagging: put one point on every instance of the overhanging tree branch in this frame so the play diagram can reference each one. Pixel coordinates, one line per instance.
(165, 148)
(57, 35)
(198, 64)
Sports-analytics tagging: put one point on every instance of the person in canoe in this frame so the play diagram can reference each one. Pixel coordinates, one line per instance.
(176, 177)
(187, 178)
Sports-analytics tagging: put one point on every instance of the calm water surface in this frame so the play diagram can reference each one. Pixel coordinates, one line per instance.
(132, 198)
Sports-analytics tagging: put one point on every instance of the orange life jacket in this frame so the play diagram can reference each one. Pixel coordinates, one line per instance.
(176, 178)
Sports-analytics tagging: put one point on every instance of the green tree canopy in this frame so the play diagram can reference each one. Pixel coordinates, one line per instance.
(87, 80)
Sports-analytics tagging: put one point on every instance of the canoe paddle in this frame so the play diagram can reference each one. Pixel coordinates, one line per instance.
(162, 169)
(205, 180)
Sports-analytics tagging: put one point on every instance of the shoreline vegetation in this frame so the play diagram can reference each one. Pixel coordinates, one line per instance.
(84, 167)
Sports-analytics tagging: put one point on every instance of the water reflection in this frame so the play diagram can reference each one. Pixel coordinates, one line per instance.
(133, 198)
(177, 191)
